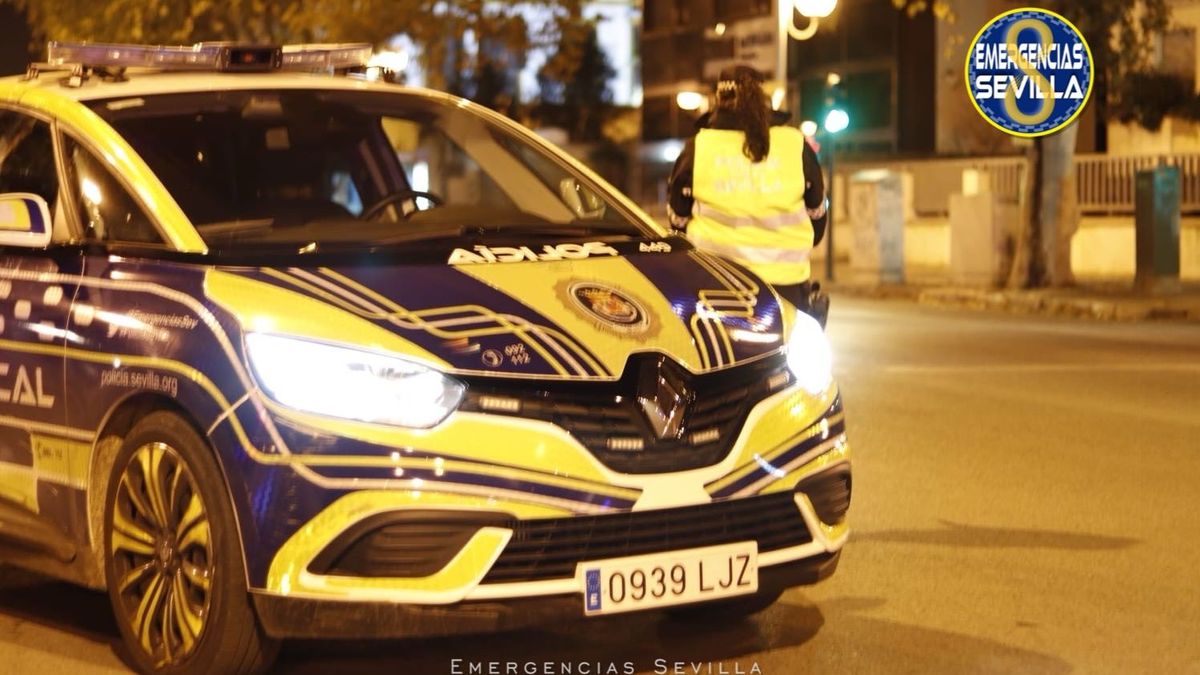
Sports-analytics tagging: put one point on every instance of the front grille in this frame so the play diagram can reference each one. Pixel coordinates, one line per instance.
(551, 548)
(829, 493)
(607, 418)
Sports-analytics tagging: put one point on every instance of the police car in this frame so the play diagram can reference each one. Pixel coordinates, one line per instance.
(290, 351)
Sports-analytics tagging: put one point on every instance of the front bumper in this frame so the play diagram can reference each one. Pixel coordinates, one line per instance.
(310, 618)
(452, 539)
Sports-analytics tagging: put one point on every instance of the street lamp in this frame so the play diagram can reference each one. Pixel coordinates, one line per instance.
(815, 10)
(690, 100)
(836, 120)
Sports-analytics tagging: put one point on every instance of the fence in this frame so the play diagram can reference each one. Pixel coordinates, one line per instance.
(1104, 185)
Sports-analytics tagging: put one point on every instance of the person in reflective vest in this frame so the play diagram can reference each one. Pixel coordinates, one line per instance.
(749, 188)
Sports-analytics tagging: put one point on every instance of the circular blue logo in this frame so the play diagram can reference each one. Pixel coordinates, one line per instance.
(1029, 72)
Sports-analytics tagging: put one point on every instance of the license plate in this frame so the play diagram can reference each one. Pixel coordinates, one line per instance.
(672, 578)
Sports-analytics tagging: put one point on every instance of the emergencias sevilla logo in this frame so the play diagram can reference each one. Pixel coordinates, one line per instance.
(1029, 72)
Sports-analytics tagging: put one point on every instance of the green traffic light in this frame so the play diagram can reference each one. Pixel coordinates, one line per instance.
(837, 121)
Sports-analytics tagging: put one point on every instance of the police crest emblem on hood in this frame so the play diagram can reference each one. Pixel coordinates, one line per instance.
(612, 308)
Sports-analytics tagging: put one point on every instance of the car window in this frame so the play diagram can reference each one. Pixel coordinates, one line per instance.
(106, 210)
(27, 156)
(248, 159)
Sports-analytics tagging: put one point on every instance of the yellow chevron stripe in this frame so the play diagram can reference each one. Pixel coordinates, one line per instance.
(525, 459)
(746, 469)
(265, 307)
(835, 455)
(497, 324)
(800, 410)
(546, 332)
(701, 341)
(542, 285)
(503, 325)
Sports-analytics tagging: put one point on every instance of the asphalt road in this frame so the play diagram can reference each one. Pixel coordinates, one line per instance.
(1027, 500)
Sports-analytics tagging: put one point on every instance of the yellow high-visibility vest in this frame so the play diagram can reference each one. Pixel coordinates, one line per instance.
(753, 213)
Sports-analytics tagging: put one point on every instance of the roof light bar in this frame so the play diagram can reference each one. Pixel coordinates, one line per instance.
(212, 56)
(198, 57)
(326, 57)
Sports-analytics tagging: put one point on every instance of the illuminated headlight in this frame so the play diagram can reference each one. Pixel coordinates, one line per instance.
(809, 356)
(351, 384)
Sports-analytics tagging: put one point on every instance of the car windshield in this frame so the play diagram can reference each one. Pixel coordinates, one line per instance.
(339, 169)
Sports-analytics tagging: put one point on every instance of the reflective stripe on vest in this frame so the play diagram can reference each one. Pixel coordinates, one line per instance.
(752, 255)
(775, 222)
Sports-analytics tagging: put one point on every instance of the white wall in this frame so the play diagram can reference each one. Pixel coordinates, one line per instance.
(1102, 249)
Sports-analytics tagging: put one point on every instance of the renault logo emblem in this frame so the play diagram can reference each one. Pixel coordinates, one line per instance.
(664, 398)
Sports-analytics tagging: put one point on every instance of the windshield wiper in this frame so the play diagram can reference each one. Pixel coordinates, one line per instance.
(227, 226)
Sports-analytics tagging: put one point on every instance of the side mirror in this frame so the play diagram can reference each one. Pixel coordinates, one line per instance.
(583, 202)
(24, 220)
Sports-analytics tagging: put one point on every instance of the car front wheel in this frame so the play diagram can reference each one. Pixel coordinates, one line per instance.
(173, 559)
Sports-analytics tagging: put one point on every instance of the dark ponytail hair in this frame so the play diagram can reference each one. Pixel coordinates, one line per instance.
(740, 91)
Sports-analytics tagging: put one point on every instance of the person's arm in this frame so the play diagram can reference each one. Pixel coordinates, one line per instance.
(679, 200)
(814, 194)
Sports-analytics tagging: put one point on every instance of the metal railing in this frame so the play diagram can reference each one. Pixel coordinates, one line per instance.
(1107, 184)
(1104, 184)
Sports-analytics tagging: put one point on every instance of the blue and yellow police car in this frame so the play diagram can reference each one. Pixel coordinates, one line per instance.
(287, 350)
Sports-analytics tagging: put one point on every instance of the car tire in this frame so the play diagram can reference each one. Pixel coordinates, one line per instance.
(725, 611)
(173, 557)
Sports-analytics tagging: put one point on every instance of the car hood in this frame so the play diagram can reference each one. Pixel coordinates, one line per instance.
(559, 319)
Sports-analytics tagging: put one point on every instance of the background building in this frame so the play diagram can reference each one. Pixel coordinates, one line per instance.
(885, 60)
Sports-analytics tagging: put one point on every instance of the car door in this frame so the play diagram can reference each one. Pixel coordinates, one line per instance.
(43, 463)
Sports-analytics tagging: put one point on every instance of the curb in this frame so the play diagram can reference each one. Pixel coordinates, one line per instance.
(1184, 307)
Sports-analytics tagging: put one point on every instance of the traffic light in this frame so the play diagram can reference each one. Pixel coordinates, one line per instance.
(836, 119)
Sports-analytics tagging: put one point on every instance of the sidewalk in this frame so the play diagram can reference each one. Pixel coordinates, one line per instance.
(1103, 301)
(1107, 302)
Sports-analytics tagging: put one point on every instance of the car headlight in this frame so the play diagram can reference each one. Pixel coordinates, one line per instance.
(809, 356)
(349, 383)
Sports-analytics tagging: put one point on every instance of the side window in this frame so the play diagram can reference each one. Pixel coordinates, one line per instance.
(27, 156)
(106, 210)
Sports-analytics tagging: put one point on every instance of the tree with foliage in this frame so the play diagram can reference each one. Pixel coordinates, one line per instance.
(438, 27)
(161, 21)
(578, 77)
(1128, 87)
